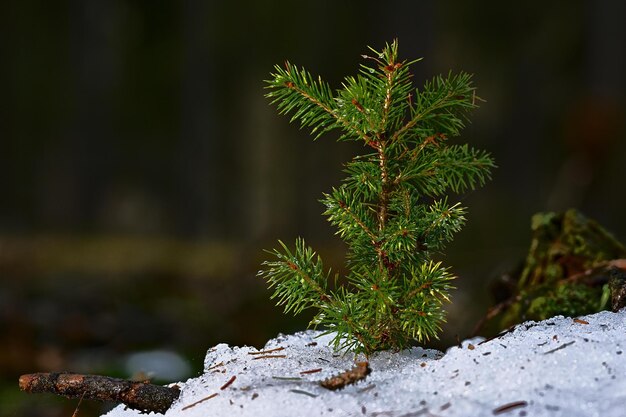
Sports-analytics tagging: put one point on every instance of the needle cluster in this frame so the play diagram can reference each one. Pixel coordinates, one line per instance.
(391, 210)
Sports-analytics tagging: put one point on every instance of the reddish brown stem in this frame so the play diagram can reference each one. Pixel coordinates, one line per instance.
(384, 195)
(141, 396)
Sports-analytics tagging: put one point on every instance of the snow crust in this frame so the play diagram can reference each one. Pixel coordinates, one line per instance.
(557, 367)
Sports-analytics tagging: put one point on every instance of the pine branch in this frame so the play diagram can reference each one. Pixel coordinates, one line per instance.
(427, 286)
(439, 106)
(443, 222)
(394, 291)
(464, 168)
(296, 91)
(299, 278)
(363, 182)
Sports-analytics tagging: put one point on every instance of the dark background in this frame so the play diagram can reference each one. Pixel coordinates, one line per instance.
(142, 171)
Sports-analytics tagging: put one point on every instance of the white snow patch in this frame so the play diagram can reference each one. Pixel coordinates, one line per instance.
(557, 367)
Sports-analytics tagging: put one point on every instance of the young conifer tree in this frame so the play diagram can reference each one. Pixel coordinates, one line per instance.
(391, 209)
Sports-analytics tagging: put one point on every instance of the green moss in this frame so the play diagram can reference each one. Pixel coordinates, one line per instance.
(567, 270)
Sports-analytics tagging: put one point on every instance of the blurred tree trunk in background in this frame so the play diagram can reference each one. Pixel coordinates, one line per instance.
(79, 166)
(204, 176)
(606, 49)
(593, 121)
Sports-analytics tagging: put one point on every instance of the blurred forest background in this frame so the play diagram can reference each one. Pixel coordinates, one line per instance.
(142, 171)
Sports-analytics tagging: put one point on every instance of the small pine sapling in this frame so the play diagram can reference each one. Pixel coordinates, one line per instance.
(391, 210)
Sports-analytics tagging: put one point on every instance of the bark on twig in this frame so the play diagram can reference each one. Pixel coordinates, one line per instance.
(359, 372)
(141, 396)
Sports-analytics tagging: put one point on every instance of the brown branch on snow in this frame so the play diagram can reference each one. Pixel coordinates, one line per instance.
(215, 394)
(509, 407)
(263, 352)
(359, 372)
(141, 396)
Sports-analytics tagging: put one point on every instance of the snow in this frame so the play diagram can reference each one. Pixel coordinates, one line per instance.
(558, 367)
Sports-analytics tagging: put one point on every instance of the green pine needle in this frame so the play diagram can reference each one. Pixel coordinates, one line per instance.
(392, 209)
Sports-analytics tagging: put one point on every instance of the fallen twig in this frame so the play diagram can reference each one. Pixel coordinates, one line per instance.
(141, 396)
(369, 387)
(499, 335)
(563, 346)
(269, 356)
(508, 407)
(230, 381)
(311, 371)
(215, 394)
(359, 372)
(216, 366)
(263, 352)
(287, 378)
(75, 413)
(299, 391)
